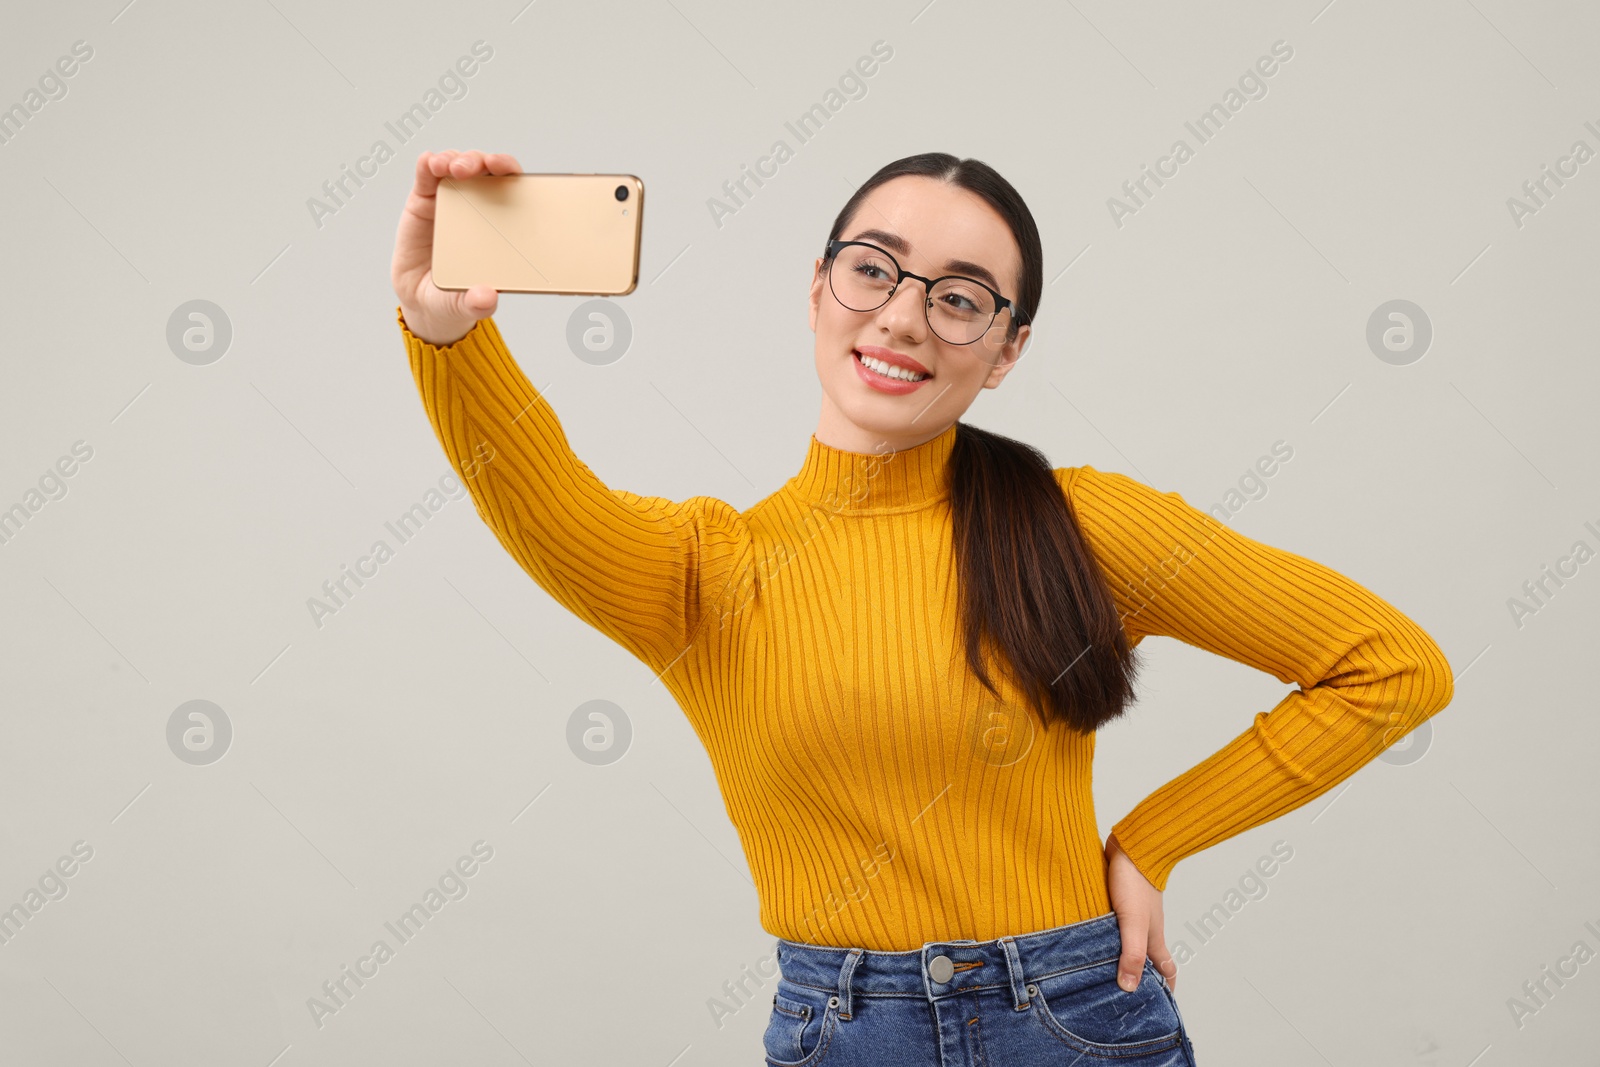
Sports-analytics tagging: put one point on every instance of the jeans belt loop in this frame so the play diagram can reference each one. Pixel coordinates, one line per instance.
(1019, 982)
(845, 974)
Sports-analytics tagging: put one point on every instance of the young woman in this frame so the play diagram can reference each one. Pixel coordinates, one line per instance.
(898, 660)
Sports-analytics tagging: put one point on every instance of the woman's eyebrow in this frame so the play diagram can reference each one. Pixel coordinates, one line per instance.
(897, 244)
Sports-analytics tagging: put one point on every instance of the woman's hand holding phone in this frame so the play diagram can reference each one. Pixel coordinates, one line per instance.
(438, 316)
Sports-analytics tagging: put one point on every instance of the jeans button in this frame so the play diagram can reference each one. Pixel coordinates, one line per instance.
(940, 969)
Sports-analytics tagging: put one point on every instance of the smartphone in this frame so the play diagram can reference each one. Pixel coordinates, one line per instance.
(539, 233)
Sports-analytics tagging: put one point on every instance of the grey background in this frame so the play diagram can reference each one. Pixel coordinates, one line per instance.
(432, 711)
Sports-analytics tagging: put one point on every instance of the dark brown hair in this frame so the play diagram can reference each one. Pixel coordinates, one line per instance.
(1031, 589)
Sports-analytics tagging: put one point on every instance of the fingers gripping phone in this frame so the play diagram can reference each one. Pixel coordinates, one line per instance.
(539, 233)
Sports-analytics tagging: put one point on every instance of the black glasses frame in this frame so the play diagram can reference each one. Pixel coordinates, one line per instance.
(1001, 303)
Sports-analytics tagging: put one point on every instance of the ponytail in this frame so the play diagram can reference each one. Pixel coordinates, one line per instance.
(1030, 587)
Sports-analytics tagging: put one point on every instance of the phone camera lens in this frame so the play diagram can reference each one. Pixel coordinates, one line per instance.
(622, 192)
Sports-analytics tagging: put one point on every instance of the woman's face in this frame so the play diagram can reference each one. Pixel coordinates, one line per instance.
(932, 228)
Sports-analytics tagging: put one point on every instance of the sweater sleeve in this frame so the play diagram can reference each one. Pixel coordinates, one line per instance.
(641, 570)
(1366, 673)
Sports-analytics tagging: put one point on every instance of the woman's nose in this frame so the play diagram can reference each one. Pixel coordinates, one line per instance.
(909, 313)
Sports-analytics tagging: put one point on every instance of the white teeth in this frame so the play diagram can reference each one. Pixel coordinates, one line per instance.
(889, 370)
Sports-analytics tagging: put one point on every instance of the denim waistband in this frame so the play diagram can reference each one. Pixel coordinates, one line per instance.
(1012, 961)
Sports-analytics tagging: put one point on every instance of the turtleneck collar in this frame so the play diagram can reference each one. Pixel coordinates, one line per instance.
(862, 481)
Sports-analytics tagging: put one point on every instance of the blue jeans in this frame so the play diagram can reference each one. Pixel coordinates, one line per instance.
(1045, 998)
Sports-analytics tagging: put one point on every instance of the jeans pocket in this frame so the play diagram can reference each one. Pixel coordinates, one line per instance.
(801, 1025)
(1086, 1010)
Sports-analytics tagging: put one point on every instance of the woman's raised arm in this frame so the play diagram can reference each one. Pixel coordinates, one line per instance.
(644, 571)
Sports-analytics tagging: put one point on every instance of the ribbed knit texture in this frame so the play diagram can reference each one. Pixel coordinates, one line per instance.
(884, 798)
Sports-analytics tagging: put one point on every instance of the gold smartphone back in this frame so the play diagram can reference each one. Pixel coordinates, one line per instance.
(539, 233)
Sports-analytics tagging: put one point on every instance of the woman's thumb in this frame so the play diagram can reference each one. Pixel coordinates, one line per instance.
(481, 300)
(1131, 964)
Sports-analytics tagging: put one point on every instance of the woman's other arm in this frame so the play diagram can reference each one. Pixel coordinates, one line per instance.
(1367, 673)
(641, 570)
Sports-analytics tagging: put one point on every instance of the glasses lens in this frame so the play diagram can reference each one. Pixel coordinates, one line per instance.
(962, 310)
(862, 277)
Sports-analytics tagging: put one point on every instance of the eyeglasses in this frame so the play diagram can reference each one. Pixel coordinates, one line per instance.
(863, 277)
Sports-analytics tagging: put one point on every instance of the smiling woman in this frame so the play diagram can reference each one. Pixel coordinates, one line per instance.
(917, 581)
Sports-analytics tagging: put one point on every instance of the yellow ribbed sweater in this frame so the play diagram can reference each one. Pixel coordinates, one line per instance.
(882, 796)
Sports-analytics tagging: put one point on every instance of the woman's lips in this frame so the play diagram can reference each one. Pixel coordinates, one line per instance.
(896, 386)
(894, 359)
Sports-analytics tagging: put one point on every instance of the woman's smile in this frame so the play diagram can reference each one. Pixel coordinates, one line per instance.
(887, 370)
